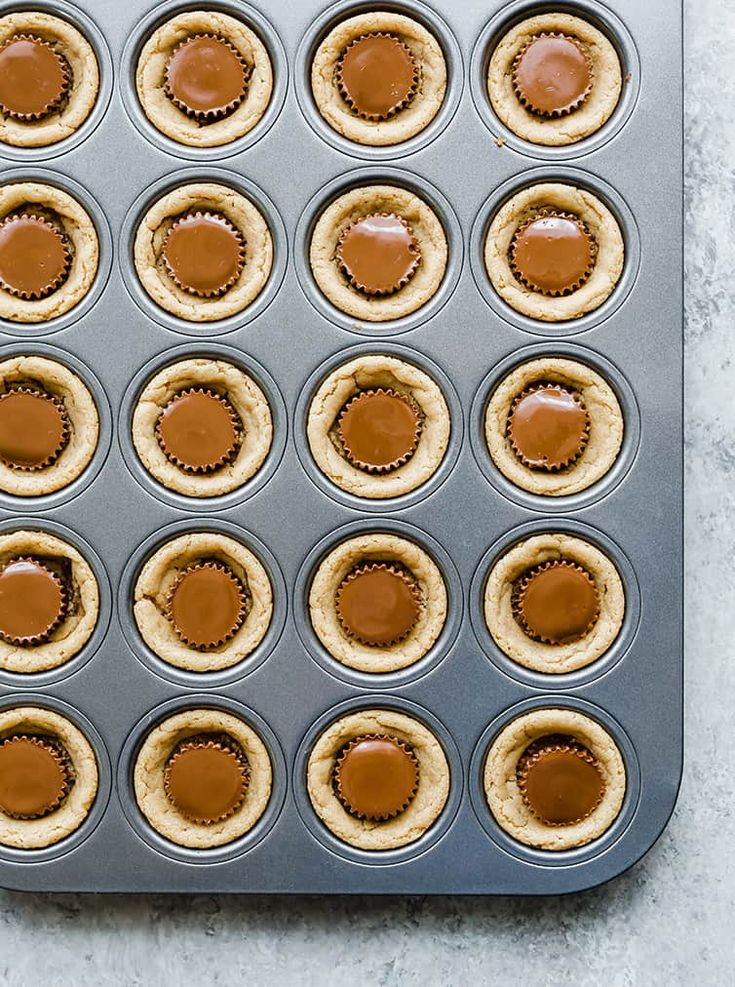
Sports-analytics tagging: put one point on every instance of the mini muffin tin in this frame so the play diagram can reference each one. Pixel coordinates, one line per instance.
(465, 164)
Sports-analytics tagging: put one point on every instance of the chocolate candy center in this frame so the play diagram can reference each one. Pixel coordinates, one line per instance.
(377, 76)
(553, 255)
(204, 254)
(33, 78)
(548, 427)
(379, 430)
(376, 777)
(198, 431)
(560, 781)
(34, 259)
(206, 76)
(33, 429)
(207, 606)
(33, 778)
(378, 605)
(32, 602)
(379, 254)
(552, 76)
(205, 781)
(557, 602)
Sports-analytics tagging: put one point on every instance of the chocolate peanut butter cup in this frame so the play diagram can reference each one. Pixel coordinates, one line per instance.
(378, 604)
(34, 78)
(378, 253)
(377, 76)
(204, 254)
(206, 77)
(34, 429)
(553, 253)
(207, 605)
(379, 430)
(376, 777)
(33, 602)
(548, 427)
(206, 778)
(35, 776)
(556, 602)
(560, 780)
(552, 75)
(199, 431)
(34, 256)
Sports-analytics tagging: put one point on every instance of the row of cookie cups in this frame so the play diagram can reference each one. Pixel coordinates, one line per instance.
(474, 427)
(411, 184)
(466, 778)
(445, 643)
(603, 19)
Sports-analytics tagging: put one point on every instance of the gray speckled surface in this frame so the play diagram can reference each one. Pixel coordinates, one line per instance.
(670, 920)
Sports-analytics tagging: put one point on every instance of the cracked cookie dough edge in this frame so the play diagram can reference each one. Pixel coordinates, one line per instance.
(535, 655)
(241, 212)
(426, 807)
(333, 569)
(29, 834)
(590, 117)
(82, 235)
(503, 795)
(604, 227)
(157, 576)
(378, 371)
(408, 122)
(82, 60)
(174, 123)
(360, 202)
(77, 628)
(606, 426)
(83, 415)
(250, 403)
(148, 774)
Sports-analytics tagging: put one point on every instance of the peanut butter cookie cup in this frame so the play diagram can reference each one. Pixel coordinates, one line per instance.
(378, 779)
(48, 777)
(204, 78)
(379, 78)
(49, 79)
(49, 426)
(554, 603)
(554, 779)
(554, 79)
(203, 778)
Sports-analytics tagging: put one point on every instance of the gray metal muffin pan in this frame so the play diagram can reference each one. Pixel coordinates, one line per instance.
(290, 688)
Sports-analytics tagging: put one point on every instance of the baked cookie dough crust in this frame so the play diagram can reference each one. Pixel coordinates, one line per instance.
(149, 773)
(409, 121)
(431, 796)
(165, 115)
(594, 112)
(77, 627)
(343, 559)
(80, 55)
(553, 659)
(504, 797)
(606, 427)
(33, 834)
(83, 242)
(246, 398)
(601, 223)
(364, 373)
(203, 197)
(56, 379)
(157, 578)
(361, 202)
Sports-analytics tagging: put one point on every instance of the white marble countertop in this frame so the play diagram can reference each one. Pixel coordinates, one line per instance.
(670, 920)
